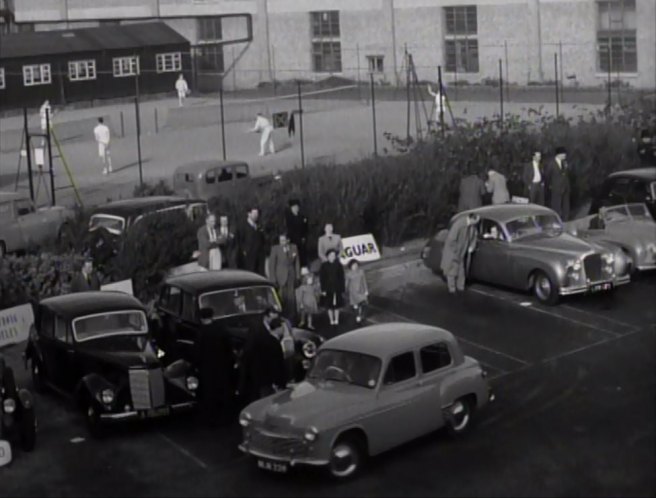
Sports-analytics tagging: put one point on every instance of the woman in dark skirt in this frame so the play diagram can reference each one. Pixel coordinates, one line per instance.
(331, 278)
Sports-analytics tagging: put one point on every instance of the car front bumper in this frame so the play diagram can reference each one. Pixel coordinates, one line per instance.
(583, 289)
(646, 267)
(146, 414)
(291, 461)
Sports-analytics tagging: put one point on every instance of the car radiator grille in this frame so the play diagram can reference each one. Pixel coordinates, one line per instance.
(147, 389)
(278, 445)
(592, 266)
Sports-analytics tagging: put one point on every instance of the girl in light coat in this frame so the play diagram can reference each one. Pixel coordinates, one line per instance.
(356, 288)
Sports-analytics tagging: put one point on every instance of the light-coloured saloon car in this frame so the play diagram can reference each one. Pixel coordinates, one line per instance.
(629, 226)
(368, 390)
(525, 247)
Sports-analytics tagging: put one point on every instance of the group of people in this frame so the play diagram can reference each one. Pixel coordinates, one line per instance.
(543, 184)
(303, 283)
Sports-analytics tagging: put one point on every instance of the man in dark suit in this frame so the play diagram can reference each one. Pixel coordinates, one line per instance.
(284, 270)
(472, 190)
(533, 178)
(558, 184)
(86, 279)
(251, 244)
(297, 229)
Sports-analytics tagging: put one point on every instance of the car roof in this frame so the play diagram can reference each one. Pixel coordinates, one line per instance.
(203, 166)
(207, 281)
(642, 173)
(503, 213)
(141, 205)
(383, 340)
(12, 196)
(86, 303)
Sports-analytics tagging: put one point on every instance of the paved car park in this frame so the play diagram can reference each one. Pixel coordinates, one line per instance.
(574, 414)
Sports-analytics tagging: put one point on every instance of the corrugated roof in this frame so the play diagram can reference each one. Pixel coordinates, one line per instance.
(88, 40)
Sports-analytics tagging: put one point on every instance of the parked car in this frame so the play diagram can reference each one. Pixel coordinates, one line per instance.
(17, 417)
(627, 186)
(629, 226)
(368, 391)
(95, 348)
(24, 227)
(533, 252)
(238, 299)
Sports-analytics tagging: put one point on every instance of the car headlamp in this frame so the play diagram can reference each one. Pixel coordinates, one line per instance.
(651, 248)
(608, 258)
(309, 349)
(9, 405)
(245, 419)
(574, 264)
(311, 434)
(192, 383)
(107, 396)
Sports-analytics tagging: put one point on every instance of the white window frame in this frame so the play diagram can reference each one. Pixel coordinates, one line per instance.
(127, 66)
(461, 38)
(372, 62)
(169, 62)
(45, 76)
(82, 70)
(3, 83)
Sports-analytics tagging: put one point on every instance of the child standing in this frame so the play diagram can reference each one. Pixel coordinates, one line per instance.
(356, 288)
(306, 298)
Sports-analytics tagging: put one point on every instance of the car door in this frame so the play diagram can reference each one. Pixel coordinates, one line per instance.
(31, 224)
(10, 232)
(187, 328)
(56, 349)
(169, 308)
(395, 418)
(489, 261)
(435, 364)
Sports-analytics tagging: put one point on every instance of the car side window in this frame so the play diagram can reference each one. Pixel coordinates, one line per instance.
(638, 191)
(187, 306)
(172, 300)
(60, 329)
(210, 176)
(225, 175)
(400, 368)
(24, 207)
(490, 230)
(434, 357)
(619, 188)
(6, 211)
(241, 171)
(46, 323)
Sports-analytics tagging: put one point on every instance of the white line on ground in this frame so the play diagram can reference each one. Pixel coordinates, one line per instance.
(618, 322)
(184, 451)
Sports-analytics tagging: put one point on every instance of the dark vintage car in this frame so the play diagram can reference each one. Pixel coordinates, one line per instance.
(627, 186)
(17, 417)
(237, 298)
(95, 348)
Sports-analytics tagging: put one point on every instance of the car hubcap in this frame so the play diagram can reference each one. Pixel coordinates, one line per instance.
(543, 287)
(343, 461)
(460, 416)
(91, 414)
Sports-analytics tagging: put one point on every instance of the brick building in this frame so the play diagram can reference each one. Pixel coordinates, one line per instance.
(312, 39)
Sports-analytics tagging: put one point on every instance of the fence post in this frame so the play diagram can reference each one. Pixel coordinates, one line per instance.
(373, 110)
(300, 122)
(223, 142)
(505, 50)
(501, 90)
(122, 126)
(49, 142)
(556, 83)
(407, 91)
(357, 57)
(560, 64)
(156, 122)
(138, 122)
(440, 90)
(28, 150)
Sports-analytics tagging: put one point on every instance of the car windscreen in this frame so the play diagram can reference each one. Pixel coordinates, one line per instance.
(243, 301)
(626, 212)
(113, 224)
(346, 366)
(526, 226)
(128, 322)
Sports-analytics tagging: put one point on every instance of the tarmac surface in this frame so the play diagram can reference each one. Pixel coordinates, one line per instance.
(574, 416)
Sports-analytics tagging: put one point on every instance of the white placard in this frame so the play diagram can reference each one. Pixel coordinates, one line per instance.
(15, 324)
(122, 286)
(192, 267)
(515, 199)
(362, 248)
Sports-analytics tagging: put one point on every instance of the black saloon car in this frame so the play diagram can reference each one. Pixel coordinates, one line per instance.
(17, 418)
(628, 186)
(237, 298)
(95, 348)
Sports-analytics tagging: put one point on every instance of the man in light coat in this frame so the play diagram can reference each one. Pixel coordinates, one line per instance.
(102, 135)
(496, 185)
(459, 246)
(284, 270)
(264, 126)
(533, 178)
(182, 88)
(209, 256)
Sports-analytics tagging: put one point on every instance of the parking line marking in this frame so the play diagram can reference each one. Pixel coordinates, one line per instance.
(184, 451)
(618, 322)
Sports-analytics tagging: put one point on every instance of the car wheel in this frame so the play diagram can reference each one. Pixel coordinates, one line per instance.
(458, 416)
(92, 419)
(346, 458)
(38, 378)
(28, 430)
(544, 288)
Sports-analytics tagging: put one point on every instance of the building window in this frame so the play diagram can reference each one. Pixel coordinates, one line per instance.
(82, 70)
(210, 53)
(2, 78)
(326, 44)
(461, 39)
(616, 36)
(125, 66)
(375, 63)
(38, 74)
(170, 62)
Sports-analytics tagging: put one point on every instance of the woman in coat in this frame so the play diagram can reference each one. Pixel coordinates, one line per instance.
(331, 278)
(356, 288)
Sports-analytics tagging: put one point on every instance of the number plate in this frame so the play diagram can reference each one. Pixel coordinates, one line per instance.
(158, 412)
(272, 466)
(5, 453)
(601, 287)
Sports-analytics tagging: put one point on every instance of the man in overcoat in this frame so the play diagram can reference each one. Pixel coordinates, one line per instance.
(284, 270)
(251, 244)
(297, 229)
(472, 190)
(459, 246)
(558, 183)
(86, 279)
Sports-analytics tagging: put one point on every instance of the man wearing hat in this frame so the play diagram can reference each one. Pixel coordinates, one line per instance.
(297, 229)
(459, 246)
(558, 185)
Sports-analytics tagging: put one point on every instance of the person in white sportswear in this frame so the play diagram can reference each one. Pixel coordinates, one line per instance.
(263, 125)
(440, 102)
(102, 136)
(182, 88)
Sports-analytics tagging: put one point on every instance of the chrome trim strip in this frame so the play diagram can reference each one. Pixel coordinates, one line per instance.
(290, 461)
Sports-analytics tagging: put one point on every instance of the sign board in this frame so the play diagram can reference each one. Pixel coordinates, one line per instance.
(192, 267)
(15, 324)
(122, 286)
(519, 200)
(280, 119)
(362, 248)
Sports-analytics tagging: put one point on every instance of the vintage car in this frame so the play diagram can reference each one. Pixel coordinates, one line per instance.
(24, 227)
(207, 179)
(629, 226)
(95, 348)
(17, 417)
(368, 391)
(525, 247)
(237, 298)
(628, 186)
